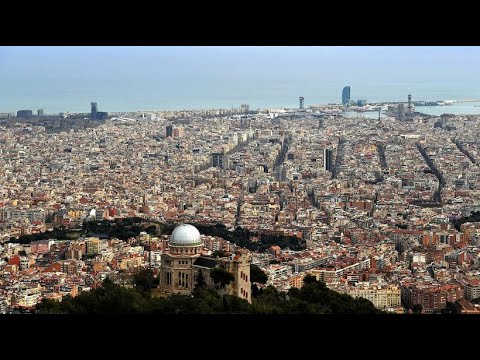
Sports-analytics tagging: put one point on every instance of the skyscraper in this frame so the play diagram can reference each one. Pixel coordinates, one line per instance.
(401, 112)
(320, 123)
(346, 95)
(409, 108)
(301, 98)
(327, 159)
(93, 110)
(24, 114)
(169, 131)
(219, 160)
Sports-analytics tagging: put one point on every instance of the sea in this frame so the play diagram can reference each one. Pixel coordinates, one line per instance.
(125, 95)
(124, 79)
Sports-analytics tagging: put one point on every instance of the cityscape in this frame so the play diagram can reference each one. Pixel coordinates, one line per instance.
(353, 206)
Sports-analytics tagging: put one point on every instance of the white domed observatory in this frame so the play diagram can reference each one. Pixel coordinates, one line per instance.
(182, 265)
(185, 239)
(177, 275)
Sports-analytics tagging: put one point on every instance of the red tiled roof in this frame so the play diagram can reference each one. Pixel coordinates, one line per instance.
(14, 261)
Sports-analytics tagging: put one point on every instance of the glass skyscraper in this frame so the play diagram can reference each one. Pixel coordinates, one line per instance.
(346, 95)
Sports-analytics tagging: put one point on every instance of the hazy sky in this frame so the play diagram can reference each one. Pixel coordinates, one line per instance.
(134, 78)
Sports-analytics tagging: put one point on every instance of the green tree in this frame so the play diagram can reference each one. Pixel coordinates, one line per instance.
(200, 280)
(255, 290)
(309, 279)
(143, 279)
(257, 275)
(221, 276)
(417, 308)
(219, 253)
(152, 230)
(48, 306)
(109, 299)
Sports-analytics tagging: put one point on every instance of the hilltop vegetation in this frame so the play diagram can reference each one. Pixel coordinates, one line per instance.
(133, 226)
(117, 228)
(313, 298)
(474, 217)
(242, 237)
